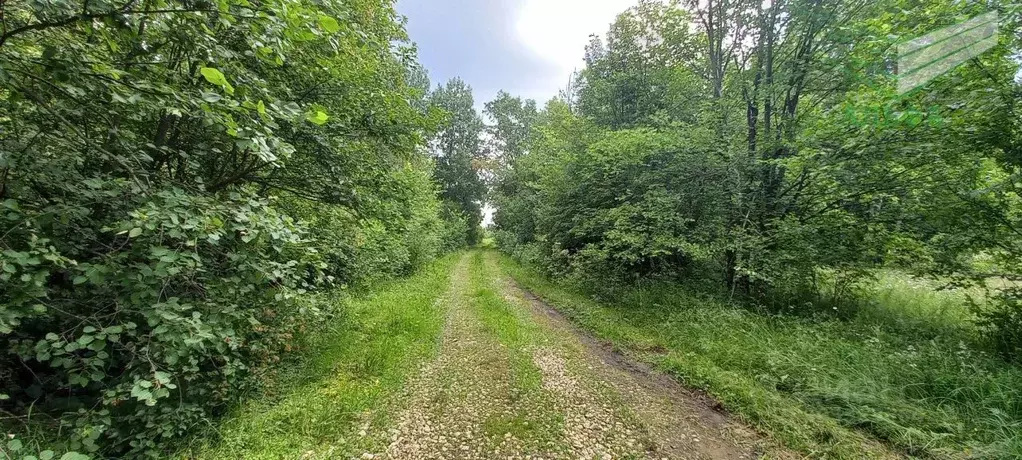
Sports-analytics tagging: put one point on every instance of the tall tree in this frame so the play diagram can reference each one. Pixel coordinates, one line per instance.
(457, 148)
(766, 98)
(646, 69)
(511, 132)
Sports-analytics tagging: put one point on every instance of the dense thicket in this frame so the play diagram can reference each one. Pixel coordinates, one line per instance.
(174, 176)
(762, 146)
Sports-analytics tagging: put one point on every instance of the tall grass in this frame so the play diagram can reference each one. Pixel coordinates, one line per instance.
(905, 370)
(915, 305)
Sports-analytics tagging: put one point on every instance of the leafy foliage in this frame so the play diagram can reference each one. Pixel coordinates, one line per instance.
(761, 147)
(458, 151)
(174, 177)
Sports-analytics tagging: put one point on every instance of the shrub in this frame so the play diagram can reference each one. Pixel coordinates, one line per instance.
(173, 179)
(148, 327)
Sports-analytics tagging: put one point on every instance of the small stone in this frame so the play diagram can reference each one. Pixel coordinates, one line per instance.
(368, 456)
(362, 433)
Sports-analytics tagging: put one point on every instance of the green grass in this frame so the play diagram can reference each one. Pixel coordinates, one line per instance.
(905, 371)
(504, 321)
(917, 305)
(515, 330)
(346, 380)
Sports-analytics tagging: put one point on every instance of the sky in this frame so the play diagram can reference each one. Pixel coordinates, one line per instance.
(528, 48)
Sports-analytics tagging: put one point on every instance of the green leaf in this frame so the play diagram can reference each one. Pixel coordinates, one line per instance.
(162, 377)
(141, 393)
(329, 24)
(46, 455)
(134, 232)
(14, 445)
(318, 117)
(214, 76)
(74, 456)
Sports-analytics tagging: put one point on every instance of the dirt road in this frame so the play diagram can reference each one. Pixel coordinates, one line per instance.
(514, 380)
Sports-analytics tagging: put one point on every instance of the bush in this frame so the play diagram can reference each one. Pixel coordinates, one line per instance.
(155, 319)
(172, 182)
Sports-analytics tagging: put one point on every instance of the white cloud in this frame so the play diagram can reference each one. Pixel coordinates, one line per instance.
(557, 32)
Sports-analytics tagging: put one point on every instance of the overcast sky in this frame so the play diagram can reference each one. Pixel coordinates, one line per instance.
(526, 47)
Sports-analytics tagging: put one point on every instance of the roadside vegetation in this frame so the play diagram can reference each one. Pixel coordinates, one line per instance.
(823, 386)
(197, 196)
(735, 191)
(761, 151)
(188, 189)
(347, 380)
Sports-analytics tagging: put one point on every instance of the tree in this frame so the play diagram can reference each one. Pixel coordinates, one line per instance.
(511, 132)
(645, 72)
(789, 109)
(175, 178)
(457, 148)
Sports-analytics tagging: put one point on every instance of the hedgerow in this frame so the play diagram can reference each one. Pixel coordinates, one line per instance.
(175, 176)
